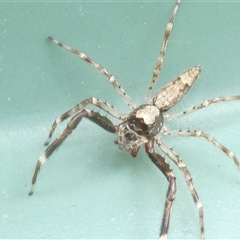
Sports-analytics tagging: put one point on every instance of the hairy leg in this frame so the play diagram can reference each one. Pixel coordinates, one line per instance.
(102, 70)
(160, 162)
(102, 121)
(94, 101)
(188, 178)
(204, 104)
(188, 133)
(160, 59)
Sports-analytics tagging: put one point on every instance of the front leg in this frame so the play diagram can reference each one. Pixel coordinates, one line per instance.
(94, 101)
(160, 162)
(102, 121)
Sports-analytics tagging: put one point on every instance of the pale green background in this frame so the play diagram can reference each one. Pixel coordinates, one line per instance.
(90, 189)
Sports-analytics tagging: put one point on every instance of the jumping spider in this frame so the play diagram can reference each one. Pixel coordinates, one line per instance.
(144, 125)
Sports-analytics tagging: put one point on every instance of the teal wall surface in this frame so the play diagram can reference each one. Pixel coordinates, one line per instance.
(88, 188)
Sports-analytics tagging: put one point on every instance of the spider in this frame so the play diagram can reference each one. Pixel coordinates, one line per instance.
(144, 125)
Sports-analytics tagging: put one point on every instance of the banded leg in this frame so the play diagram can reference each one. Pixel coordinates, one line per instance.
(94, 101)
(160, 162)
(102, 121)
(201, 105)
(102, 70)
(187, 133)
(176, 159)
(160, 59)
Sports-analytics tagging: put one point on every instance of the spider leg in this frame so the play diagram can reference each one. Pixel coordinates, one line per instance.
(187, 133)
(160, 59)
(176, 159)
(102, 121)
(160, 162)
(199, 106)
(94, 101)
(102, 70)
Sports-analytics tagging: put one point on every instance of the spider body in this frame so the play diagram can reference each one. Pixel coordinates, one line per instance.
(144, 125)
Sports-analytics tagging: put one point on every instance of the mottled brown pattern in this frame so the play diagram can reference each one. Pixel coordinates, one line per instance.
(174, 91)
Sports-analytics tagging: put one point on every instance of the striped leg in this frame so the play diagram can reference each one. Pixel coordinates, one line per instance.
(176, 159)
(102, 121)
(160, 162)
(94, 101)
(160, 59)
(187, 133)
(102, 70)
(201, 105)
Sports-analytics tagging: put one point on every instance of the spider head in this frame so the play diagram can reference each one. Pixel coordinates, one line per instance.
(142, 124)
(146, 120)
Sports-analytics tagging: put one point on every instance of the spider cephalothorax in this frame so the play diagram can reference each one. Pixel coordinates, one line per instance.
(141, 124)
(144, 124)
